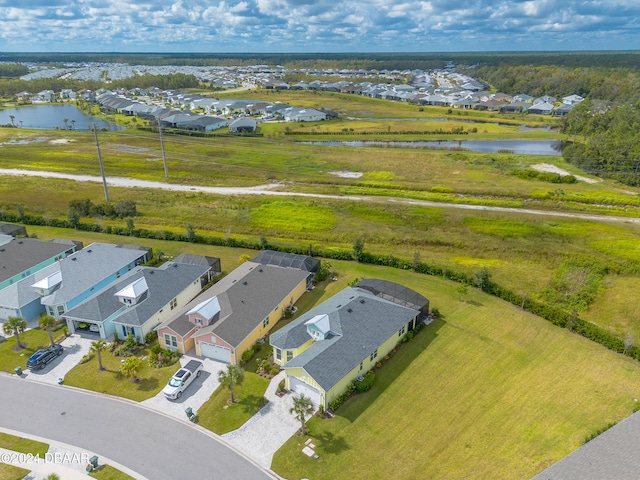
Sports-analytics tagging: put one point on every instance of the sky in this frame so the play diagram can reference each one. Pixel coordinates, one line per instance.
(317, 26)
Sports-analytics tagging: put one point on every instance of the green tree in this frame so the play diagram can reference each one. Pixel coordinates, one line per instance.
(481, 278)
(73, 216)
(190, 233)
(97, 347)
(358, 249)
(462, 290)
(130, 368)
(302, 407)
(229, 378)
(15, 326)
(130, 225)
(12, 117)
(47, 322)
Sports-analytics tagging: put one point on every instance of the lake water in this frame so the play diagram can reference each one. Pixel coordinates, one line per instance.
(522, 147)
(51, 117)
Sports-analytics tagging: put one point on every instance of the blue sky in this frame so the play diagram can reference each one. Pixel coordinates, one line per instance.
(277, 26)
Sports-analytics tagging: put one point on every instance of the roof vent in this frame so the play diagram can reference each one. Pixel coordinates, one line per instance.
(245, 283)
(362, 300)
(73, 259)
(89, 251)
(349, 310)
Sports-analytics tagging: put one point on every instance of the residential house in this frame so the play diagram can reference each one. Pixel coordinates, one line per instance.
(295, 114)
(572, 100)
(544, 99)
(139, 301)
(542, 108)
(243, 125)
(233, 314)
(324, 350)
(20, 260)
(67, 283)
(203, 123)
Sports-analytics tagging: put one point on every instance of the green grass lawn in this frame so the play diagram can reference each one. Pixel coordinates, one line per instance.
(107, 472)
(34, 339)
(219, 416)
(23, 445)
(489, 391)
(111, 381)
(10, 472)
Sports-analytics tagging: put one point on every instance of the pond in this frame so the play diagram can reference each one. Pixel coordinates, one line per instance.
(521, 147)
(51, 117)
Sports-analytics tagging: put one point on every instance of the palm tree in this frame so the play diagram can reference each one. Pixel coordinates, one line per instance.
(130, 368)
(12, 117)
(232, 376)
(302, 406)
(15, 326)
(65, 120)
(73, 123)
(47, 322)
(97, 347)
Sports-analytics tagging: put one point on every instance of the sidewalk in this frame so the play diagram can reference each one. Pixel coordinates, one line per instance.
(67, 464)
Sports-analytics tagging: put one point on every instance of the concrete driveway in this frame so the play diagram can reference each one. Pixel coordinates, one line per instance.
(269, 429)
(75, 347)
(195, 395)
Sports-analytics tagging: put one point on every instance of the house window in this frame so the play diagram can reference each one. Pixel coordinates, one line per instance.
(265, 322)
(170, 341)
(174, 303)
(289, 355)
(278, 354)
(60, 309)
(118, 274)
(198, 321)
(361, 365)
(373, 356)
(401, 331)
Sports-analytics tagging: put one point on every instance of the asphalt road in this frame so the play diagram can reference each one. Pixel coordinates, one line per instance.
(154, 445)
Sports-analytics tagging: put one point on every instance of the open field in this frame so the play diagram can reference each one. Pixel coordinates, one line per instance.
(489, 391)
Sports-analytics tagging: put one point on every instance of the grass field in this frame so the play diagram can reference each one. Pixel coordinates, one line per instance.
(111, 381)
(34, 339)
(220, 416)
(489, 391)
(107, 472)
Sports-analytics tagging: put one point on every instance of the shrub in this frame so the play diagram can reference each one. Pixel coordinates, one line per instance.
(274, 371)
(366, 383)
(246, 356)
(87, 357)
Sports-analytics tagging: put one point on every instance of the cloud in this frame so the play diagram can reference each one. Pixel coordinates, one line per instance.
(317, 25)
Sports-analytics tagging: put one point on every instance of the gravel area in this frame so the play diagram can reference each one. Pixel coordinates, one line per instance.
(195, 395)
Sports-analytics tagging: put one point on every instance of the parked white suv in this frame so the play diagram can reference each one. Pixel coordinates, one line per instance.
(182, 379)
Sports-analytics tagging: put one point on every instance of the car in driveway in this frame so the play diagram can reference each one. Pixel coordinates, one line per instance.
(182, 379)
(44, 356)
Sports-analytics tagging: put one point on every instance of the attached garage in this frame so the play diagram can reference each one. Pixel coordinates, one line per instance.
(305, 389)
(215, 352)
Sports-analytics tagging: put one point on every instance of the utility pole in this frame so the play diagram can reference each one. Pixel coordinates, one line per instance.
(104, 179)
(164, 156)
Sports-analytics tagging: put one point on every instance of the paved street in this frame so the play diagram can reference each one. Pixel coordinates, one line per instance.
(156, 446)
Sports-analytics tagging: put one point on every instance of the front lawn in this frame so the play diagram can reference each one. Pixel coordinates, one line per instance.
(107, 472)
(111, 381)
(34, 339)
(23, 445)
(10, 472)
(219, 416)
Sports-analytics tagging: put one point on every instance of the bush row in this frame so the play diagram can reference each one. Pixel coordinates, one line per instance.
(439, 131)
(544, 176)
(550, 313)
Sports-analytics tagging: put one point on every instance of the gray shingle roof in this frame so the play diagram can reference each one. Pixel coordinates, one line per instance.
(21, 254)
(363, 321)
(88, 267)
(612, 455)
(163, 284)
(246, 297)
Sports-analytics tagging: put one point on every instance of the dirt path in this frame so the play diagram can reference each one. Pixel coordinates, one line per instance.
(271, 189)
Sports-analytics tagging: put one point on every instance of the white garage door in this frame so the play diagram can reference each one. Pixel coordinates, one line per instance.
(307, 390)
(215, 352)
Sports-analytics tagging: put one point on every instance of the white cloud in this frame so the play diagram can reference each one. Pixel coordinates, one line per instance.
(316, 25)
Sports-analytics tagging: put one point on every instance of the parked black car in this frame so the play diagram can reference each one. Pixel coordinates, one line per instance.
(43, 356)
